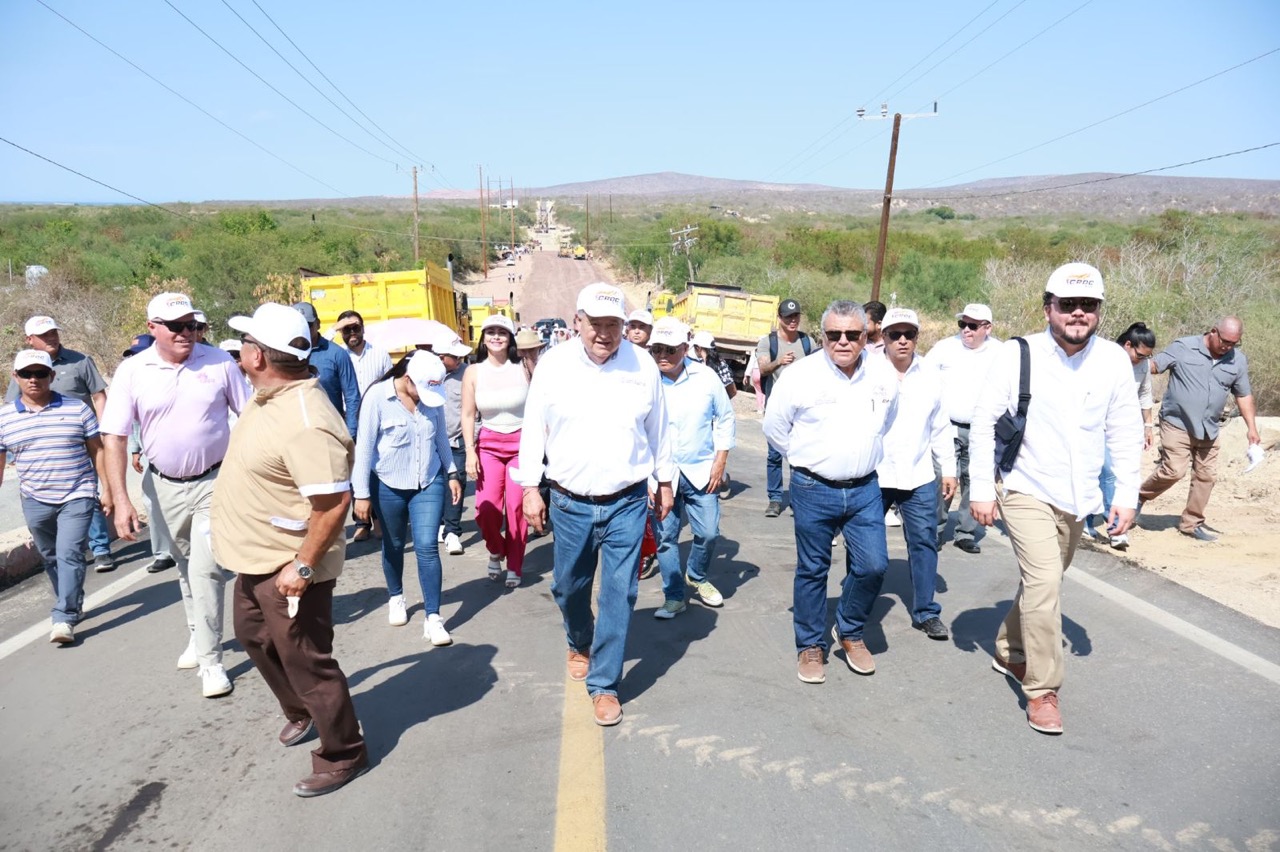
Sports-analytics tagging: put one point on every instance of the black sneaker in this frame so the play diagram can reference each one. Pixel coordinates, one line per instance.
(648, 567)
(774, 510)
(933, 628)
(102, 563)
(161, 563)
(968, 545)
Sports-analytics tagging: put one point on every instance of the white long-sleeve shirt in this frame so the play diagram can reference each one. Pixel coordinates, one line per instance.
(701, 420)
(920, 433)
(962, 371)
(602, 427)
(1080, 404)
(830, 423)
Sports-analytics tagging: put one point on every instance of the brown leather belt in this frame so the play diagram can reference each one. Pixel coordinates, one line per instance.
(592, 498)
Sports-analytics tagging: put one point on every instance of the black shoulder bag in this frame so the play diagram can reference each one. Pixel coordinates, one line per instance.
(1009, 427)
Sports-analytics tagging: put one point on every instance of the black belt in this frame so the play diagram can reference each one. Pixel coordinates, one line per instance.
(837, 483)
(958, 423)
(186, 478)
(592, 498)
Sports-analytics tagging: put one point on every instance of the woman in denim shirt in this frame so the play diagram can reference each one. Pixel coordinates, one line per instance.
(402, 462)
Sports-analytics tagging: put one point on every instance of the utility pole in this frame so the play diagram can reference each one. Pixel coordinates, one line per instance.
(588, 221)
(888, 185)
(513, 215)
(484, 245)
(681, 240)
(415, 215)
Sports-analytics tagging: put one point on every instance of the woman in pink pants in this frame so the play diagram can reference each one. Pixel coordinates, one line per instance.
(495, 388)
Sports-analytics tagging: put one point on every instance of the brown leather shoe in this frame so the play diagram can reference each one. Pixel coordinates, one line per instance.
(362, 534)
(1017, 671)
(809, 666)
(855, 654)
(578, 665)
(295, 732)
(320, 783)
(1043, 715)
(608, 710)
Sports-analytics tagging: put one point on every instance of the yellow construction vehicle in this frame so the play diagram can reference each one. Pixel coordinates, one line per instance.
(735, 318)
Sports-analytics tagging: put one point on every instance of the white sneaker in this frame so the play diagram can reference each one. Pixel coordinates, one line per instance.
(189, 658)
(214, 681)
(453, 544)
(397, 616)
(62, 633)
(891, 518)
(1120, 542)
(440, 535)
(434, 631)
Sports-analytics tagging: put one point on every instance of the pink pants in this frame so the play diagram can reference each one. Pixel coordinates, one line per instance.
(496, 491)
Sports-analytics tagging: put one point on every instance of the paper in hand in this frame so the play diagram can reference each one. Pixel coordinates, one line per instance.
(293, 604)
(1255, 454)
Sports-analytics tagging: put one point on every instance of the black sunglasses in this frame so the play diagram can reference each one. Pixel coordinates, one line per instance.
(660, 350)
(34, 374)
(909, 334)
(852, 335)
(972, 326)
(352, 329)
(179, 327)
(1069, 306)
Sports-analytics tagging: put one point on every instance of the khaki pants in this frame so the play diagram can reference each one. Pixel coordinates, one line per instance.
(1177, 450)
(1044, 541)
(185, 508)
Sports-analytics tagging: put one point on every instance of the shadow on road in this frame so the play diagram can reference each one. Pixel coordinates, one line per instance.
(656, 644)
(975, 630)
(136, 604)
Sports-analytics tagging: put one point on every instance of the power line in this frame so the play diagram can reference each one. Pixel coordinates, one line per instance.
(939, 47)
(187, 100)
(260, 78)
(1110, 117)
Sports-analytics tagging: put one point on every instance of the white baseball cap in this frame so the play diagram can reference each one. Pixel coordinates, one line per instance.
(703, 339)
(1075, 280)
(904, 316)
(973, 311)
(427, 373)
(669, 331)
(231, 345)
(169, 306)
(40, 325)
(602, 300)
(454, 347)
(32, 358)
(276, 326)
(499, 321)
(641, 316)
(200, 317)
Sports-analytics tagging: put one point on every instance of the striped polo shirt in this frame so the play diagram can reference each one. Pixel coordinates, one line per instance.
(48, 449)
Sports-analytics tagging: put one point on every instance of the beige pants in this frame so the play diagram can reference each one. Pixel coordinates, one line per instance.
(185, 507)
(1044, 541)
(1178, 450)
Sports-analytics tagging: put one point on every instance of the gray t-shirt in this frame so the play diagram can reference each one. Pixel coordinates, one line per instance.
(762, 355)
(453, 405)
(1198, 385)
(75, 375)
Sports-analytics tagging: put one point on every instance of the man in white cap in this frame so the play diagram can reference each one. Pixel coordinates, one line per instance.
(702, 430)
(277, 522)
(596, 412)
(963, 362)
(181, 395)
(1083, 402)
(919, 437)
(53, 442)
(639, 327)
(453, 355)
(75, 375)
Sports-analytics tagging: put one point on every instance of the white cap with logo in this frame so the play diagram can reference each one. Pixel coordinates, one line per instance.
(499, 321)
(40, 325)
(32, 358)
(454, 347)
(230, 345)
(641, 316)
(975, 311)
(669, 331)
(602, 300)
(903, 316)
(168, 307)
(703, 339)
(1075, 280)
(427, 373)
(276, 327)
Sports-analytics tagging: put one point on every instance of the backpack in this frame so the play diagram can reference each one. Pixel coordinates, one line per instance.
(806, 343)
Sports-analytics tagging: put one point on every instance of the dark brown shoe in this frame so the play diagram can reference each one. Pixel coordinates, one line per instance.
(809, 666)
(579, 663)
(1017, 671)
(320, 783)
(608, 710)
(855, 654)
(1043, 715)
(295, 732)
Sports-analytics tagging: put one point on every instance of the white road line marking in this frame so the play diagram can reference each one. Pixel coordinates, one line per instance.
(14, 644)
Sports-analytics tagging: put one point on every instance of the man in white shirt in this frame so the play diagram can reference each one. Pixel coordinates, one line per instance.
(702, 433)
(828, 416)
(1083, 402)
(920, 436)
(963, 362)
(596, 412)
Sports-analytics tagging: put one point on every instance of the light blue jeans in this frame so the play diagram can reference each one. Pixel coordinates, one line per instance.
(401, 510)
(703, 512)
(59, 533)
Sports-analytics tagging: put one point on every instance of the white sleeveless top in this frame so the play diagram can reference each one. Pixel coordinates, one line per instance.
(500, 395)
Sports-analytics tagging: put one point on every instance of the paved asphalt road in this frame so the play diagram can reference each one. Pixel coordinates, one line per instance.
(1170, 708)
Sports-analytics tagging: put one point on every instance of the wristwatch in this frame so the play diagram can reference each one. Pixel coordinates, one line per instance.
(303, 571)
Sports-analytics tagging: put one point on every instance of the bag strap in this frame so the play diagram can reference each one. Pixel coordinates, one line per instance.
(805, 342)
(773, 346)
(1024, 380)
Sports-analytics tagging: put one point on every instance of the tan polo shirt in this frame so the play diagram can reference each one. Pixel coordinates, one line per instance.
(290, 444)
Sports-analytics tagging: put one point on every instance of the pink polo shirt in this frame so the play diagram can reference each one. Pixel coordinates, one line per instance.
(181, 408)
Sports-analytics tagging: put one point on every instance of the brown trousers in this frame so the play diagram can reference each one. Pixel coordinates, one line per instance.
(1178, 449)
(295, 657)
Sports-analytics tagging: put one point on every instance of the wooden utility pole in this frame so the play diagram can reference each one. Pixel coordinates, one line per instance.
(415, 215)
(484, 245)
(513, 215)
(588, 221)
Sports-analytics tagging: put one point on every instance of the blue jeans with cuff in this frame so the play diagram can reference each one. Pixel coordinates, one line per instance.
(703, 511)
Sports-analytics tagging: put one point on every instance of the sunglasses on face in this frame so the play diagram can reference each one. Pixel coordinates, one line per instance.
(663, 351)
(352, 329)
(1069, 306)
(1230, 344)
(898, 334)
(179, 327)
(971, 326)
(34, 374)
(202, 326)
(851, 335)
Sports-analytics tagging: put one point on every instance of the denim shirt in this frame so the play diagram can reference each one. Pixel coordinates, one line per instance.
(406, 450)
(338, 378)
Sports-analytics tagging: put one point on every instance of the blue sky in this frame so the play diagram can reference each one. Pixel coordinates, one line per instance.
(549, 93)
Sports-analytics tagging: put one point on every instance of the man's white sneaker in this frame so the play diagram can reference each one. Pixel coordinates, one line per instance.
(214, 681)
(189, 659)
(397, 614)
(1120, 542)
(440, 534)
(434, 631)
(453, 544)
(62, 633)
(891, 518)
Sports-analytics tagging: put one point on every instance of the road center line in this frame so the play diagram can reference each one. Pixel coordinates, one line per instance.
(16, 643)
(580, 792)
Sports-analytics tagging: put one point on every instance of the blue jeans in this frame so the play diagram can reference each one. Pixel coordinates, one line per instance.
(1107, 480)
(610, 532)
(703, 510)
(773, 475)
(99, 537)
(453, 514)
(400, 510)
(59, 533)
(917, 509)
(820, 512)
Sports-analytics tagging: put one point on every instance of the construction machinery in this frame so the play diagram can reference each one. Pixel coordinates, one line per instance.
(737, 319)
